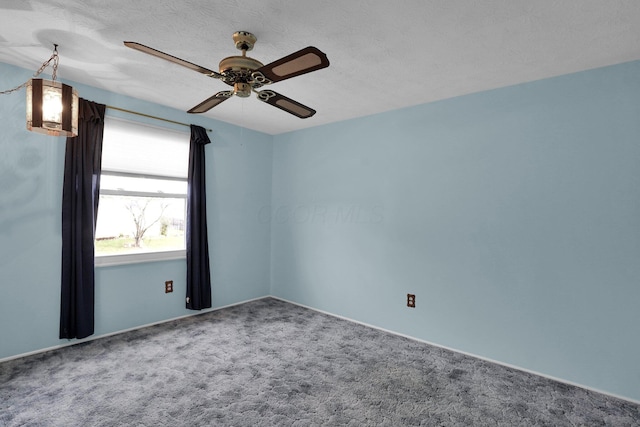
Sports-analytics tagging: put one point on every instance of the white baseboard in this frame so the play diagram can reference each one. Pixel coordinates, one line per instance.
(95, 337)
(518, 368)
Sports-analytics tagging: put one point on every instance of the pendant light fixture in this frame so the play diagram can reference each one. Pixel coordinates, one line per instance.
(52, 107)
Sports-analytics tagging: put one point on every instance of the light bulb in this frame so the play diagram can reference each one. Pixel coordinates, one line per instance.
(52, 105)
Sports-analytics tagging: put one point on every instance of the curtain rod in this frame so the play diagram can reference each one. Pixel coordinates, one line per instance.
(151, 117)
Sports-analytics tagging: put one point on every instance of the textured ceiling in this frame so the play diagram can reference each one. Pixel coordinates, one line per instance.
(384, 55)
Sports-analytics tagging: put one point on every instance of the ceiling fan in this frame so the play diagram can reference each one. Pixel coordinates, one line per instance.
(246, 74)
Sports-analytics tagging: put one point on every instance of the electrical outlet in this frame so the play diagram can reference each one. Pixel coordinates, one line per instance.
(411, 300)
(168, 286)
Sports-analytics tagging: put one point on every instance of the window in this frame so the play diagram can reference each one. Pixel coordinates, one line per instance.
(143, 193)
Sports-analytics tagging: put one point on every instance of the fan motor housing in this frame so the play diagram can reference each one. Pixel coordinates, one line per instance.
(237, 70)
(239, 63)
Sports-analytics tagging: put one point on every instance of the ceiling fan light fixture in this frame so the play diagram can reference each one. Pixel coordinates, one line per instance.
(247, 74)
(243, 90)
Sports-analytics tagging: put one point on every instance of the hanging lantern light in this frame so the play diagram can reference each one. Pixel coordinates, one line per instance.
(52, 107)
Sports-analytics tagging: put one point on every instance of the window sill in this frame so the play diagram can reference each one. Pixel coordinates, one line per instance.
(123, 259)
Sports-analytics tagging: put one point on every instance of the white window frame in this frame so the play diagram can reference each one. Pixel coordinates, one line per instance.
(151, 256)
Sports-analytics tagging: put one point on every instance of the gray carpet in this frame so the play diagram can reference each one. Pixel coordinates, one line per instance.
(270, 363)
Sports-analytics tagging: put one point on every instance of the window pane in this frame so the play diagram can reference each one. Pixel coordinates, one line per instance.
(146, 185)
(128, 224)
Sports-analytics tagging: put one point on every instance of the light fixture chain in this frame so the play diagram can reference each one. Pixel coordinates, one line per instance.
(54, 58)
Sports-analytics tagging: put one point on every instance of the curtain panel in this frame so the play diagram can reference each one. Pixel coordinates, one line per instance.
(198, 270)
(80, 195)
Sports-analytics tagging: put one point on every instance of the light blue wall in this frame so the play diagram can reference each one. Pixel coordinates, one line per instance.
(31, 167)
(513, 215)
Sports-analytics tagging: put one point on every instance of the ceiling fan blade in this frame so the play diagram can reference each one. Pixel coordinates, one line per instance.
(300, 62)
(286, 104)
(209, 103)
(151, 51)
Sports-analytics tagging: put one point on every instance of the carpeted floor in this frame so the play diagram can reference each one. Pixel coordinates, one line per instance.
(270, 363)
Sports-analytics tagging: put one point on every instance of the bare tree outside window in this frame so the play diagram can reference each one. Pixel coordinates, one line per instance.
(139, 224)
(138, 209)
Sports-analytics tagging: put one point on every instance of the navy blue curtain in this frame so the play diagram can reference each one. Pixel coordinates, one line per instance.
(198, 272)
(80, 194)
